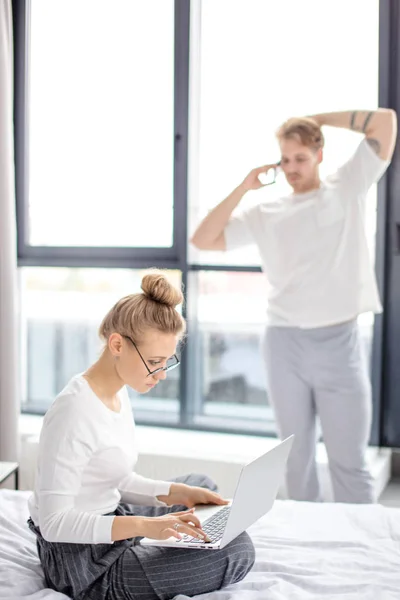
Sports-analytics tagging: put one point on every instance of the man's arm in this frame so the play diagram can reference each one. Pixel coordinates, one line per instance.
(379, 127)
(210, 233)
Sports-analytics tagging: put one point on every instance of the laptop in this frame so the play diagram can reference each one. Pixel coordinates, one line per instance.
(255, 495)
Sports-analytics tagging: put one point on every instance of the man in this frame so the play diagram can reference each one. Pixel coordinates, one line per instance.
(314, 252)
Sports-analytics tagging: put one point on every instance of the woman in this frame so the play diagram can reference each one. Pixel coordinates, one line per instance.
(89, 508)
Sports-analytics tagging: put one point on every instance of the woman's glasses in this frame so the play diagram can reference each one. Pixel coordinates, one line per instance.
(172, 362)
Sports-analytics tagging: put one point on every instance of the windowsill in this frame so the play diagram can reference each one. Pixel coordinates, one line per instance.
(235, 448)
(165, 453)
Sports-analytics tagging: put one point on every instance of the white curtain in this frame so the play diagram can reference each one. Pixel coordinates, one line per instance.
(9, 395)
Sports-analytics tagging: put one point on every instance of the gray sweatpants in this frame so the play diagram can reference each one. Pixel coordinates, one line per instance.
(126, 570)
(322, 371)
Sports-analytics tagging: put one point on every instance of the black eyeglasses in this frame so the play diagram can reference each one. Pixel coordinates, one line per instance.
(172, 362)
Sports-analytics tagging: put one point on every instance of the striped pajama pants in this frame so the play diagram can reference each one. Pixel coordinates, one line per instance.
(126, 570)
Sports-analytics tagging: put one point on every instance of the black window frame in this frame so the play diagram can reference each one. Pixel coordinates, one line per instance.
(90, 256)
(385, 382)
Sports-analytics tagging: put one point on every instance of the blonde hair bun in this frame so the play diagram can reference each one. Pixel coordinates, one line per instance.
(158, 288)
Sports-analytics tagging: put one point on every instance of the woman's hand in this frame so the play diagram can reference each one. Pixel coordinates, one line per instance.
(189, 496)
(172, 525)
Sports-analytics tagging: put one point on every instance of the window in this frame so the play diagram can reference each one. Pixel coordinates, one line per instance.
(101, 123)
(61, 313)
(100, 151)
(228, 371)
(271, 67)
(127, 137)
(277, 60)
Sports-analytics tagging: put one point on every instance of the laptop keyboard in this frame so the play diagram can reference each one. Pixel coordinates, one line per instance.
(214, 527)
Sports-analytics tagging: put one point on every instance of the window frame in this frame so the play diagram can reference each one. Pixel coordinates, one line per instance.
(94, 256)
(186, 86)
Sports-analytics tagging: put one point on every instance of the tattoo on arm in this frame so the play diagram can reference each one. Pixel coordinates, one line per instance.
(375, 145)
(367, 120)
(362, 129)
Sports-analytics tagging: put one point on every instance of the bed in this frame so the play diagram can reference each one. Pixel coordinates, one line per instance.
(304, 551)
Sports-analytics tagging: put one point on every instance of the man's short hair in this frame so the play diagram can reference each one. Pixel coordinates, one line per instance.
(304, 130)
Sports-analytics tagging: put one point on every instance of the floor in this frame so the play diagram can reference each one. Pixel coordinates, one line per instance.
(391, 495)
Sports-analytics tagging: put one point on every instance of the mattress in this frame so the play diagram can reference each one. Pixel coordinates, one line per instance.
(304, 551)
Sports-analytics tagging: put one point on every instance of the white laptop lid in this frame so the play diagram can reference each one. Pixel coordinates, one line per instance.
(256, 490)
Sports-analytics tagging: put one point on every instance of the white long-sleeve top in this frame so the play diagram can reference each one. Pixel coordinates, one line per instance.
(87, 454)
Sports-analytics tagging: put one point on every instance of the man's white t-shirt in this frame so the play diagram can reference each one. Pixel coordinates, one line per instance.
(314, 247)
(87, 456)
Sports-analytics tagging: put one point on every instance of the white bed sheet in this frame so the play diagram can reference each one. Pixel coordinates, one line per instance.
(303, 552)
